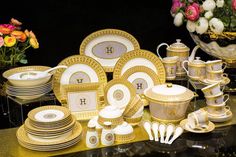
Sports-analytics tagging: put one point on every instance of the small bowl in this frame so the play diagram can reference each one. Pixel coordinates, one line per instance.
(110, 114)
(124, 133)
(26, 82)
(134, 108)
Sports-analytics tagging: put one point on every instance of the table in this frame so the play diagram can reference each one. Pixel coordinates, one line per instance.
(220, 141)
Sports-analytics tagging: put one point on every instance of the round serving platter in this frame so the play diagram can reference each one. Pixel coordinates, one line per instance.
(107, 45)
(139, 58)
(81, 69)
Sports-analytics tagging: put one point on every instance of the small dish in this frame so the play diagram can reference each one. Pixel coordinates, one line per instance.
(223, 82)
(184, 124)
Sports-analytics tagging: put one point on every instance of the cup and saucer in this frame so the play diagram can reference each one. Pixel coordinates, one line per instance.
(222, 117)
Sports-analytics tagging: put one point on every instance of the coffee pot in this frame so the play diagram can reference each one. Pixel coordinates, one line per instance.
(176, 49)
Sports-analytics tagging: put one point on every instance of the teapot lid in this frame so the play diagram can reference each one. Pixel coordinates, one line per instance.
(197, 62)
(178, 46)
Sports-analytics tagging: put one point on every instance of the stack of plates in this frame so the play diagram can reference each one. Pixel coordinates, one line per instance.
(49, 128)
(28, 92)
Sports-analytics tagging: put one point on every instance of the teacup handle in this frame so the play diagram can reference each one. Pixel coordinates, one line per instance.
(159, 46)
(183, 65)
(224, 64)
(227, 97)
(224, 75)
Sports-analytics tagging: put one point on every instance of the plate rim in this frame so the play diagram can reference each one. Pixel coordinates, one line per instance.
(76, 59)
(108, 31)
(140, 53)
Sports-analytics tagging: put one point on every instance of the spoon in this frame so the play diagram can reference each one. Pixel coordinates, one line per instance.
(155, 126)
(147, 127)
(162, 130)
(178, 131)
(39, 74)
(169, 131)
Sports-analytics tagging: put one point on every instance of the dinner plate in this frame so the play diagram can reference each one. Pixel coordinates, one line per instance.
(81, 69)
(141, 77)
(119, 93)
(107, 45)
(140, 58)
(184, 124)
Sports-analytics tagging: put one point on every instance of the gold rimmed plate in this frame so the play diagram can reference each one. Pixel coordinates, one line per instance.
(184, 124)
(107, 45)
(119, 93)
(223, 82)
(141, 77)
(81, 69)
(140, 58)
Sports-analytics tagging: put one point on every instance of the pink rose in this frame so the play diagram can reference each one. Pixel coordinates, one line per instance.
(1, 41)
(192, 12)
(6, 28)
(176, 5)
(234, 5)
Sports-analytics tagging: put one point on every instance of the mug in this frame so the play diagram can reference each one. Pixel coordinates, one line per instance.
(215, 65)
(170, 64)
(198, 119)
(213, 89)
(217, 110)
(217, 100)
(215, 76)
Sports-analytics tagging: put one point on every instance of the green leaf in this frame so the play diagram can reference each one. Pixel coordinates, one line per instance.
(24, 61)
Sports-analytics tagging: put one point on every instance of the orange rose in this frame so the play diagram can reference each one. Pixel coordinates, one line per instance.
(27, 33)
(34, 43)
(6, 28)
(19, 35)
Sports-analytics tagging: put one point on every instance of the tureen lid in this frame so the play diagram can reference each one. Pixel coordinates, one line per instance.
(178, 46)
(168, 93)
(123, 129)
(110, 112)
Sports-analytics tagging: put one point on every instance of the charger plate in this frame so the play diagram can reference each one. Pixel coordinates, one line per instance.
(141, 77)
(107, 45)
(81, 69)
(119, 93)
(140, 58)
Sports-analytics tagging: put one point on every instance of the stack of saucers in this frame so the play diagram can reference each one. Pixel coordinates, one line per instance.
(217, 109)
(49, 128)
(28, 92)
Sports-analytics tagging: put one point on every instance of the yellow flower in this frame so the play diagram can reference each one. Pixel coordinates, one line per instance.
(9, 41)
(34, 43)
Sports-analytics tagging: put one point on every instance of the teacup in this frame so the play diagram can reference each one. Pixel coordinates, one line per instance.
(215, 76)
(217, 110)
(198, 119)
(215, 65)
(170, 64)
(213, 89)
(217, 100)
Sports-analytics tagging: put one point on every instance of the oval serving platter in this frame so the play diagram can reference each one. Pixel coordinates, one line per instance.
(81, 69)
(107, 45)
(139, 58)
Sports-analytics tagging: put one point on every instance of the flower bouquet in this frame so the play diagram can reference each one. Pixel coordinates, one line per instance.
(211, 23)
(14, 43)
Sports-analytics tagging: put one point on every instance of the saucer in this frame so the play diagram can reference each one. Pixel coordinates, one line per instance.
(223, 118)
(222, 82)
(184, 124)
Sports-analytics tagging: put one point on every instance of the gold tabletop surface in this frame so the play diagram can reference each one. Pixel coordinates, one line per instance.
(9, 145)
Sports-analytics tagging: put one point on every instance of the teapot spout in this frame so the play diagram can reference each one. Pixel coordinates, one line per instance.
(193, 53)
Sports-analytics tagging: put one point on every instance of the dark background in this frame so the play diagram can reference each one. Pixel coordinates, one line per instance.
(60, 26)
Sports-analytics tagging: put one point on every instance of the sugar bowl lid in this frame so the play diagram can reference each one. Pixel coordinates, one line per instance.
(123, 129)
(110, 112)
(168, 93)
(178, 46)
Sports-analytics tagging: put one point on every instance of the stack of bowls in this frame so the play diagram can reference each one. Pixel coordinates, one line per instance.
(21, 85)
(49, 128)
(216, 100)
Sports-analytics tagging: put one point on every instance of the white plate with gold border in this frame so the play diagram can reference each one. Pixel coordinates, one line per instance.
(184, 124)
(81, 69)
(141, 77)
(140, 58)
(223, 82)
(107, 45)
(119, 93)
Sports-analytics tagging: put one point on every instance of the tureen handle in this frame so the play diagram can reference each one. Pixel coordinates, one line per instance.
(159, 46)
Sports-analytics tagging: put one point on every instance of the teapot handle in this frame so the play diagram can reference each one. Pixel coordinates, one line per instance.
(159, 46)
(183, 65)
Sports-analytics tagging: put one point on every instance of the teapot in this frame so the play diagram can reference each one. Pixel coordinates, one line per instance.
(176, 49)
(196, 67)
